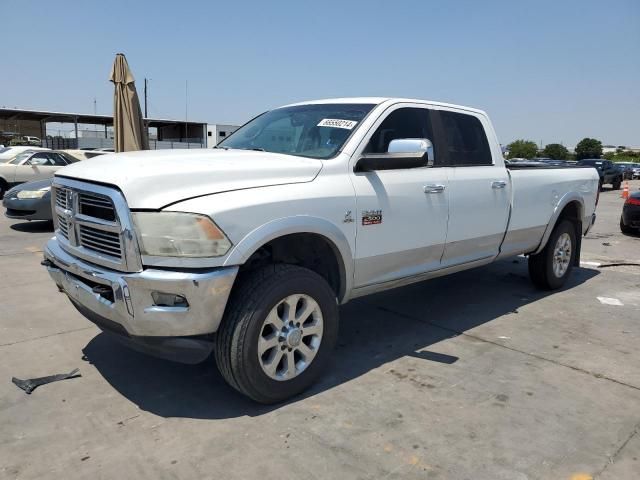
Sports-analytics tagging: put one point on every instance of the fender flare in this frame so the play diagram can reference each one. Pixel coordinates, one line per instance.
(262, 235)
(562, 203)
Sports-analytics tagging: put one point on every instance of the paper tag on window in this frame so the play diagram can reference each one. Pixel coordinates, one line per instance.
(337, 123)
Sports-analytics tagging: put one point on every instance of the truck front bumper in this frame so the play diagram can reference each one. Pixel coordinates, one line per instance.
(133, 305)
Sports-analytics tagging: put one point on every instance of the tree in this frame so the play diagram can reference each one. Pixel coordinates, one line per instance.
(522, 149)
(555, 151)
(588, 148)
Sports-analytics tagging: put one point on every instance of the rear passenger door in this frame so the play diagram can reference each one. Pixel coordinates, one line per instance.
(479, 190)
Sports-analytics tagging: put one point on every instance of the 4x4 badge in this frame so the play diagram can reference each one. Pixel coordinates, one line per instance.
(371, 217)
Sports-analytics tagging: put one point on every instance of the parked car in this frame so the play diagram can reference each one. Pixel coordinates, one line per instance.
(31, 165)
(635, 172)
(248, 249)
(82, 154)
(29, 201)
(608, 171)
(9, 153)
(627, 169)
(630, 218)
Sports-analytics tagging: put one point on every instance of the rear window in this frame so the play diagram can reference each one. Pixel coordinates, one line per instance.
(467, 143)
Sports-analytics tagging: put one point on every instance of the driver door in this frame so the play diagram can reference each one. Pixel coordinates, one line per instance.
(402, 213)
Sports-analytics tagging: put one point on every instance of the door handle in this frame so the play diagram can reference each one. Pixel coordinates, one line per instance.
(434, 188)
(498, 184)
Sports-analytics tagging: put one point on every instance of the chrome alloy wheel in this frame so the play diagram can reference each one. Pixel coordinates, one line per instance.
(290, 337)
(562, 255)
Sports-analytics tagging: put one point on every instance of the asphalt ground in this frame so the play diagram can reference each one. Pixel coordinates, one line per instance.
(476, 375)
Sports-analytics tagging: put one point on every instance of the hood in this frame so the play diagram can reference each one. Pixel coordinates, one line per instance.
(35, 185)
(156, 178)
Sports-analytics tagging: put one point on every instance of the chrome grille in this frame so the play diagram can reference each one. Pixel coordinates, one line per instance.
(96, 206)
(61, 197)
(93, 223)
(63, 227)
(100, 241)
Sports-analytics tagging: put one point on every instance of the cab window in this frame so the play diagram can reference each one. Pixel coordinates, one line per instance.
(466, 140)
(401, 123)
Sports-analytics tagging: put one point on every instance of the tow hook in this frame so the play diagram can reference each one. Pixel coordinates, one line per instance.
(46, 263)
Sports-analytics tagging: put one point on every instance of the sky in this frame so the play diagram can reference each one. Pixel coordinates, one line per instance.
(548, 71)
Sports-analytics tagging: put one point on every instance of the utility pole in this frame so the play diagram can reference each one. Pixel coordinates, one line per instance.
(145, 98)
(186, 110)
(95, 106)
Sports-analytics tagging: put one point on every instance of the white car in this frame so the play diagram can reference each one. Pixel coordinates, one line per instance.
(31, 165)
(9, 153)
(247, 250)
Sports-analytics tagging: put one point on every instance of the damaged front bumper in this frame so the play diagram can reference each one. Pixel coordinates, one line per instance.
(134, 306)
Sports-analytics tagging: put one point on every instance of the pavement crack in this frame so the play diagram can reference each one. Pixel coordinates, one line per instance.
(26, 340)
(534, 355)
(612, 458)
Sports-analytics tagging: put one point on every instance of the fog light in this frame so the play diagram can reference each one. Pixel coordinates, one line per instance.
(161, 299)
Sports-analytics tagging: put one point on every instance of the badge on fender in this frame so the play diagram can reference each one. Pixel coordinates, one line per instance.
(371, 217)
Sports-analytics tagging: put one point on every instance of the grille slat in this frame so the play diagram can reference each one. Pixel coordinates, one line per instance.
(97, 206)
(101, 241)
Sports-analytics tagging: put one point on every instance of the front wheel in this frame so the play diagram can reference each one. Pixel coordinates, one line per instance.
(550, 268)
(278, 332)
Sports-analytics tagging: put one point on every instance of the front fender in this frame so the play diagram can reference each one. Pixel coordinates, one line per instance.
(298, 224)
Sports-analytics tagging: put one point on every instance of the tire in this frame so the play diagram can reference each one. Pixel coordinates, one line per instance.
(625, 228)
(3, 188)
(236, 344)
(541, 266)
(616, 184)
(600, 185)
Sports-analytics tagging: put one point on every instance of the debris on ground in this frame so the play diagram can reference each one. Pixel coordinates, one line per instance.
(31, 384)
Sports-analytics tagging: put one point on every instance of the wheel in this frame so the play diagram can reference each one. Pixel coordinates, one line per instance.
(600, 185)
(616, 184)
(552, 266)
(625, 228)
(3, 188)
(278, 332)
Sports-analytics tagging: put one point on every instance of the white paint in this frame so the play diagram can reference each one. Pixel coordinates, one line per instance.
(610, 301)
(590, 264)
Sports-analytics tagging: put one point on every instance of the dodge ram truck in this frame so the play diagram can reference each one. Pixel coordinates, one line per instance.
(244, 252)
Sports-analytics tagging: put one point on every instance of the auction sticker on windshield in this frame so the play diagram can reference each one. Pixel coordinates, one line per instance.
(337, 123)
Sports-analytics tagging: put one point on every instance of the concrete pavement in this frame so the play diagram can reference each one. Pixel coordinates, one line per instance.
(473, 376)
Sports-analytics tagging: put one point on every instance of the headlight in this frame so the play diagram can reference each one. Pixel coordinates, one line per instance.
(178, 234)
(24, 194)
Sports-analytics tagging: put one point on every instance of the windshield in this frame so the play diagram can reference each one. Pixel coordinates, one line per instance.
(4, 149)
(20, 157)
(314, 131)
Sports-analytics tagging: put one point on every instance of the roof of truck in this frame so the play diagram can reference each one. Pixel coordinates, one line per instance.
(379, 100)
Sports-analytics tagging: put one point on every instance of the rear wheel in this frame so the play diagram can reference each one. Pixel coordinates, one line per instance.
(552, 266)
(278, 332)
(625, 228)
(617, 183)
(3, 188)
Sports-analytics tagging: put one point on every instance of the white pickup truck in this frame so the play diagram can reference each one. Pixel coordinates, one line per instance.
(247, 250)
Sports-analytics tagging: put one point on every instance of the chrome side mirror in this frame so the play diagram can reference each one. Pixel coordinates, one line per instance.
(413, 146)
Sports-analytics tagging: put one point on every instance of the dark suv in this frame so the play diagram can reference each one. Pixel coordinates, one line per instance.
(609, 172)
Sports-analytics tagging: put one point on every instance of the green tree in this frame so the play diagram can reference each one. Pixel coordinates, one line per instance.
(588, 148)
(555, 151)
(522, 149)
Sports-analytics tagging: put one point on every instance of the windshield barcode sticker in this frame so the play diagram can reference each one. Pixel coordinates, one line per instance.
(337, 123)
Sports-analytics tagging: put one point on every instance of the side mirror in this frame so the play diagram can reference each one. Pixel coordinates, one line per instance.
(402, 154)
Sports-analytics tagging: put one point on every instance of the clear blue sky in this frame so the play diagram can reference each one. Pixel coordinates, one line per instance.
(550, 71)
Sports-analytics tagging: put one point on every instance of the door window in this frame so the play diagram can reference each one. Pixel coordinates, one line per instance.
(401, 123)
(57, 160)
(40, 159)
(466, 140)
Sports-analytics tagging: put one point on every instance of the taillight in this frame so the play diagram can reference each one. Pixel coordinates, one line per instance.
(633, 201)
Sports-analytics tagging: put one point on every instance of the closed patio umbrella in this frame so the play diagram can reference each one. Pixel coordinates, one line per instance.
(128, 125)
